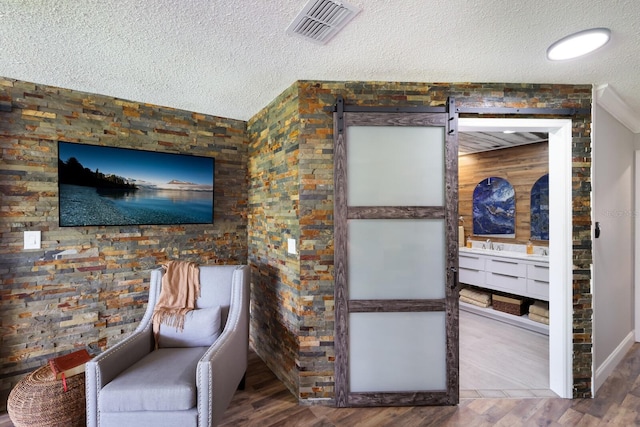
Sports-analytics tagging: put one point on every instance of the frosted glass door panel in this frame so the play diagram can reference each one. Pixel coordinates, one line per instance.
(396, 259)
(396, 352)
(395, 166)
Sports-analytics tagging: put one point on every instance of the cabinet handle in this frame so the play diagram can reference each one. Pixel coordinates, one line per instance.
(541, 281)
(504, 275)
(504, 262)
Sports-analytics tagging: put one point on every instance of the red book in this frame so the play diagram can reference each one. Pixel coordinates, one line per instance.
(70, 364)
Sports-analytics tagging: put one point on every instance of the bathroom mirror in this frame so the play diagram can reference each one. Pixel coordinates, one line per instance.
(494, 208)
(540, 209)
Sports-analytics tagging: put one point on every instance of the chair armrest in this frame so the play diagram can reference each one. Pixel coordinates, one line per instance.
(100, 370)
(223, 366)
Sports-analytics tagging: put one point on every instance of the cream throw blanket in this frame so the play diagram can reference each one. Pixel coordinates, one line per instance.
(538, 318)
(180, 289)
(475, 297)
(540, 308)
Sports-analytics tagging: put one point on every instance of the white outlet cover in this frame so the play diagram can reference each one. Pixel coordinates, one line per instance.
(291, 246)
(32, 239)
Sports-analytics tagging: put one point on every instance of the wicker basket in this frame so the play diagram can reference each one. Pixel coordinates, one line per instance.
(40, 400)
(509, 305)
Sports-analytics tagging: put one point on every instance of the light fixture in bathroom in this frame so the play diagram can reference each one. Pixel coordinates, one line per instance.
(578, 44)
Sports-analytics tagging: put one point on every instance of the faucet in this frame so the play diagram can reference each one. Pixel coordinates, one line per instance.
(489, 244)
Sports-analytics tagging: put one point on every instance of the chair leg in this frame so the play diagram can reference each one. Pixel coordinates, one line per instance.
(242, 382)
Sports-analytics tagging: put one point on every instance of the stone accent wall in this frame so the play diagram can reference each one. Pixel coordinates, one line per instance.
(274, 217)
(308, 346)
(274, 181)
(582, 259)
(49, 306)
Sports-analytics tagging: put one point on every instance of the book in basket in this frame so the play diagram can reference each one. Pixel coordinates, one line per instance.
(70, 364)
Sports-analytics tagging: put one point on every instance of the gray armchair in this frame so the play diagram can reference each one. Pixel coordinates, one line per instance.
(187, 381)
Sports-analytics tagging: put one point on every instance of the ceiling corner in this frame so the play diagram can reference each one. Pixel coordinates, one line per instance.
(608, 99)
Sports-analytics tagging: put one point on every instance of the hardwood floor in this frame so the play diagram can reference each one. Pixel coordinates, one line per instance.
(267, 403)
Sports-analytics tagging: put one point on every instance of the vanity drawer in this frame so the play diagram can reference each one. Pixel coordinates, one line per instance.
(538, 272)
(507, 267)
(538, 289)
(471, 261)
(506, 282)
(471, 276)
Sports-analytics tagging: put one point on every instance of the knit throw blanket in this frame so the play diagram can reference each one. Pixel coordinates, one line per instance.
(180, 289)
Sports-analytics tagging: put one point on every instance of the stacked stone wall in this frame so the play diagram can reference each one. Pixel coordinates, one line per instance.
(274, 181)
(51, 303)
(313, 337)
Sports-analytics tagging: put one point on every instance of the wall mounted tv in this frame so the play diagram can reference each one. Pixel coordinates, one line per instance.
(117, 186)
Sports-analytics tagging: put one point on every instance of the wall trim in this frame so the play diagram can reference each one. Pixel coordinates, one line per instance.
(636, 306)
(616, 356)
(560, 242)
(608, 99)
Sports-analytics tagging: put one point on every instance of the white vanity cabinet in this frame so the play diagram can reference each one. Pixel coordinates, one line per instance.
(511, 273)
(506, 274)
(538, 280)
(471, 269)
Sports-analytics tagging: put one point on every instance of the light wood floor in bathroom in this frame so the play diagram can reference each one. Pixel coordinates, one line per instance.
(501, 360)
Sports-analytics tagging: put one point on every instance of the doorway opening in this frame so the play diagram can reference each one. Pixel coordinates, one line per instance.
(503, 206)
(560, 231)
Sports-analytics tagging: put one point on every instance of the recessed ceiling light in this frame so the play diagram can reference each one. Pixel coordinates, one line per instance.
(578, 44)
(508, 131)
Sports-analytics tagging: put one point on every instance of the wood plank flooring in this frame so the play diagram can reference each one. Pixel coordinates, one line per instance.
(267, 403)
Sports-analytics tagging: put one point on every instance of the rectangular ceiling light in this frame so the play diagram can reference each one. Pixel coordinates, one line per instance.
(320, 20)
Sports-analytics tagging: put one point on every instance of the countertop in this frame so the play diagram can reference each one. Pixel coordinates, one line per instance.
(505, 254)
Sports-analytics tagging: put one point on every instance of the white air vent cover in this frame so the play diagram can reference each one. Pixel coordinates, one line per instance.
(320, 20)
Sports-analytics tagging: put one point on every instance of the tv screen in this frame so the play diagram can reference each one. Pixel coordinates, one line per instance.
(118, 186)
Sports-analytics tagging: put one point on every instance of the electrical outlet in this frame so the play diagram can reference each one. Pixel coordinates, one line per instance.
(32, 239)
(291, 246)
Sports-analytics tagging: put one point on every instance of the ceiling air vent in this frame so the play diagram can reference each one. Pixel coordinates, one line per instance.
(320, 20)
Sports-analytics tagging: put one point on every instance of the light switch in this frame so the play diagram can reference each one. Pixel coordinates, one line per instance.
(291, 246)
(32, 239)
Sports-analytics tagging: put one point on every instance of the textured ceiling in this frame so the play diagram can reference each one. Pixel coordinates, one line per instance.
(231, 58)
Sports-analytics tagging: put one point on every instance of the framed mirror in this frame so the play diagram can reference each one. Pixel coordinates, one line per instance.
(494, 208)
(540, 209)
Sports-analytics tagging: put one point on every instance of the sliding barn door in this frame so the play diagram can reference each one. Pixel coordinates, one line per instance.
(396, 259)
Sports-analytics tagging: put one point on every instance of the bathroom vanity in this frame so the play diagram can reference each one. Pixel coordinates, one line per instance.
(507, 271)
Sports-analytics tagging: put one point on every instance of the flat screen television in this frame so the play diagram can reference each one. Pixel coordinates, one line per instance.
(119, 186)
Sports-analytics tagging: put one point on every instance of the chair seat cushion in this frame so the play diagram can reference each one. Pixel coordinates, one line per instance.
(164, 380)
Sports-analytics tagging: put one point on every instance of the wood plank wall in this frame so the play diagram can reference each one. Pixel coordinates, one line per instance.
(521, 166)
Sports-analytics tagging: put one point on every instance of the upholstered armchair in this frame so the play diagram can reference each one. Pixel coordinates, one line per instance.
(192, 376)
